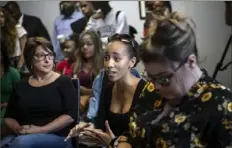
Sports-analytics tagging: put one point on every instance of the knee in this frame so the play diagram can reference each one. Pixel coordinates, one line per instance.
(22, 142)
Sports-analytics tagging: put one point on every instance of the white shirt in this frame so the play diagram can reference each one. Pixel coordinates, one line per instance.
(109, 25)
(20, 21)
(20, 33)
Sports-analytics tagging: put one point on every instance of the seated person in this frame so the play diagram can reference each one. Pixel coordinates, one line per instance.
(89, 62)
(41, 110)
(69, 48)
(98, 83)
(14, 36)
(9, 76)
(201, 114)
(122, 95)
(87, 10)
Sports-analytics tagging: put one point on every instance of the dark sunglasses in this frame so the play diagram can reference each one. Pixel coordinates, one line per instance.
(125, 38)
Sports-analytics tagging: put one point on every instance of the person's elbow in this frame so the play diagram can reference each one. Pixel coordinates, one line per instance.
(6, 120)
(69, 119)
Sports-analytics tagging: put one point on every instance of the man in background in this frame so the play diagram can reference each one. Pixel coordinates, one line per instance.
(62, 25)
(32, 24)
(107, 21)
(88, 10)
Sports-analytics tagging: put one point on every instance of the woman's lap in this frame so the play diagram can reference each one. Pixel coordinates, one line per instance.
(36, 141)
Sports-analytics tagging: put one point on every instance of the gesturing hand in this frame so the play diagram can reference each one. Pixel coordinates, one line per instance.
(77, 129)
(104, 138)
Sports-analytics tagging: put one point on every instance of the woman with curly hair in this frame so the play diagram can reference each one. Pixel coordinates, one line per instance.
(14, 36)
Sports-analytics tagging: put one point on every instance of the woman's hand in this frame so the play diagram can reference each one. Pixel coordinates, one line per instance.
(104, 138)
(78, 129)
(31, 129)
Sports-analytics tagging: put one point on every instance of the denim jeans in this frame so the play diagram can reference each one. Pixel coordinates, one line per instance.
(35, 141)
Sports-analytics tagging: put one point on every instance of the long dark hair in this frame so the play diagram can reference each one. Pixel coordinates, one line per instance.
(98, 54)
(9, 32)
(4, 57)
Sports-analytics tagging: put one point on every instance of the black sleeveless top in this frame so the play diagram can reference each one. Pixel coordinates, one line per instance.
(119, 123)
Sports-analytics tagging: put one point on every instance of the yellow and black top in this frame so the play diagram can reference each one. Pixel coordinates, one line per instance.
(202, 120)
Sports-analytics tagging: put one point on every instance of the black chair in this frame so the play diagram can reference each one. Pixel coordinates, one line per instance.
(76, 83)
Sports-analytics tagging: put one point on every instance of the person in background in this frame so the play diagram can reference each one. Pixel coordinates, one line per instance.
(70, 50)
(32, 24)
(157, 8)
(42, 109)
(9, 76)
(120, 97)
(89, 62)
(87, 9)
(14, 37)
(62, 25)
(106, 22)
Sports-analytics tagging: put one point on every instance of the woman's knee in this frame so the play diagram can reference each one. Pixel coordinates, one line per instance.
(24, 141)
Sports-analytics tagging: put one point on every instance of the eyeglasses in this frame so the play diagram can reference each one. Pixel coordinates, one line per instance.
(164, 80)
(41, 57)
(125, 38)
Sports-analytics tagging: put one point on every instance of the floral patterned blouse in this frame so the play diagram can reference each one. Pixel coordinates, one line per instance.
(202, 120)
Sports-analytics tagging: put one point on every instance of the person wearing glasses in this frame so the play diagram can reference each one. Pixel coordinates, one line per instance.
(121, 96)
(41, 110)
(201, 107)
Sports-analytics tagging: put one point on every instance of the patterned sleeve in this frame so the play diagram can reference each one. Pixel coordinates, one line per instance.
(216, 104)
(148, 107)
(223, 129)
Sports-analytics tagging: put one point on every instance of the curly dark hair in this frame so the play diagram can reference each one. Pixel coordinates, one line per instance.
(9, 33)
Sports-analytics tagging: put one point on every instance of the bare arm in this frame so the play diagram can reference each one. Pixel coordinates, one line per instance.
(124, 145)
(69, 114)
(57, 124)
(12, 124)
(85, 91)
(84, 101)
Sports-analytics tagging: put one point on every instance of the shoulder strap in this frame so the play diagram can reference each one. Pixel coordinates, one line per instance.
(117, 14)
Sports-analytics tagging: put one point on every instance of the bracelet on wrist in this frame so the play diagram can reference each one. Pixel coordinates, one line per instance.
(113, 141)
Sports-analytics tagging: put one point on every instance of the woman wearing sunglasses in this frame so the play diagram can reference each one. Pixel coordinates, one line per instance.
(120, 97)
(41, 109)
(201, 114)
